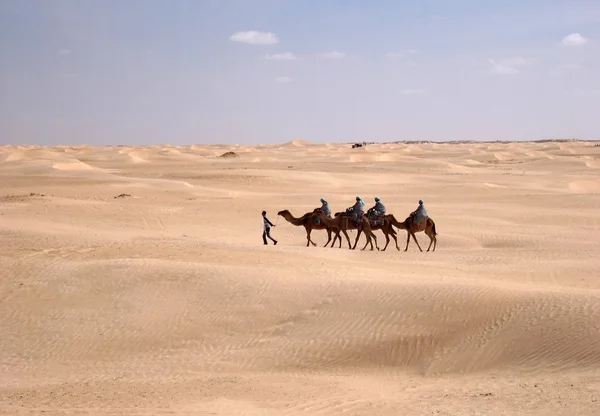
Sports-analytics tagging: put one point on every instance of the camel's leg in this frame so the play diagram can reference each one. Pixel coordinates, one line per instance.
(337, 235)
(417, 242)
(407, 239)
(370, 237)
(367, 242)
(393, 234)
(396, 241)
(309, 241)
(347, 239)
(333, 242)
(328, 237)
(432, 240)
(357, 237)
(430, 243)
(375, 238)
(387, 240)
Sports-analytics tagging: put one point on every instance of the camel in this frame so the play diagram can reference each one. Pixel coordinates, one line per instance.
(309, 224)
(376, 224)
(337, 231)
(428, 226)
(386, 227)
(342, 222)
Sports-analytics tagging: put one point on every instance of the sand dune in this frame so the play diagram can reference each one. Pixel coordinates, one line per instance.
(135, 158)
(586, 186)
(136, 282)
(297, 143)
(73, 165)
(539, 154)
(593, 163)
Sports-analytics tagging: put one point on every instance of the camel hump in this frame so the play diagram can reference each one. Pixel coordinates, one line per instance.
(307, 216)
(379, 221)
(417, 227)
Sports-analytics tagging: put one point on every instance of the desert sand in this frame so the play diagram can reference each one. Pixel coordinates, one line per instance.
(135, 281)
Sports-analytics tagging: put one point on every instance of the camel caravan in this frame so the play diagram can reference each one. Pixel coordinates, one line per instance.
(354, 218)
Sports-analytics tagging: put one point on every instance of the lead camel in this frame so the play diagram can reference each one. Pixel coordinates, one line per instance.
(309, 224)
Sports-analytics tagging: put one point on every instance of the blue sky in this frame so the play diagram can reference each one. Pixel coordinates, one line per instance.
(215, 71)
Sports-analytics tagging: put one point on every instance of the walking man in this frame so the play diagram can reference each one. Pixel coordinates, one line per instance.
(267, 229)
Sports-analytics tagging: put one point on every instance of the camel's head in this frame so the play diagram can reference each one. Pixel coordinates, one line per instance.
(283, 213)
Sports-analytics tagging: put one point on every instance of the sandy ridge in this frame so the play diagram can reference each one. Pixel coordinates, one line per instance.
(136, 281)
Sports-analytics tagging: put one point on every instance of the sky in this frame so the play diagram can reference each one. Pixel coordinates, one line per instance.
(142, 72)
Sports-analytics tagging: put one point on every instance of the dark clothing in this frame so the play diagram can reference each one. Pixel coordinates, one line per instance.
(378, 209)
(267, 233)
(267, 230)
(358, 210)
(325, 209)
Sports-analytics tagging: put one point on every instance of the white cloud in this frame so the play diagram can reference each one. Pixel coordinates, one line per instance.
(401, 54)
(253, 37)
(413, 91)
(64, 52)
(283, 80)
(508, 66)
(333, 55)
(286, 56)
(502, 69)
(574, 39)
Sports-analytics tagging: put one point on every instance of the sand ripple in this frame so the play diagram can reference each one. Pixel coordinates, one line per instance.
(135, 281)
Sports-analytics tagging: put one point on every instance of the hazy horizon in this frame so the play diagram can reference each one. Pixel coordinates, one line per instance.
(217, 144)
(273, 71)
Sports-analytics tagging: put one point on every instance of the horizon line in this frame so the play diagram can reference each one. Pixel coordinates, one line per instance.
(314, 143)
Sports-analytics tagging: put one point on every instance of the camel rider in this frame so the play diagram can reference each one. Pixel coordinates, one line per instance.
(420, 214)
(378, 209)
(325, 209)
(358, 209)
